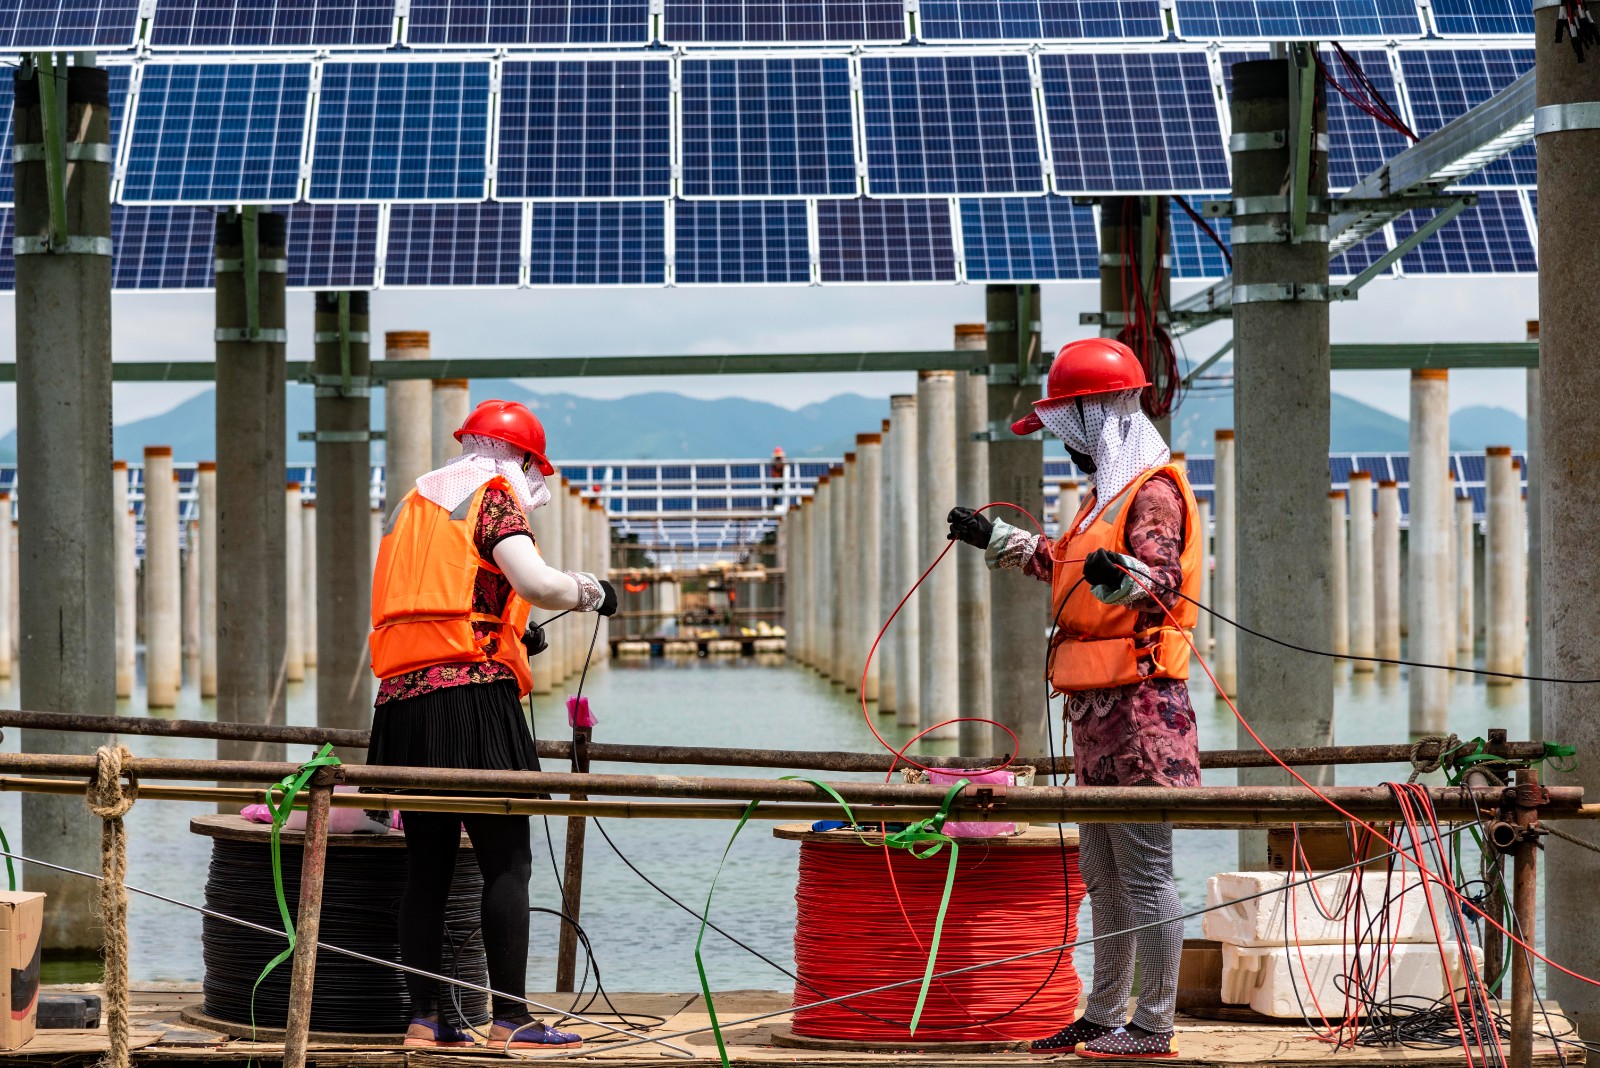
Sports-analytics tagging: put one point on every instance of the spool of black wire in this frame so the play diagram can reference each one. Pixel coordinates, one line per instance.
(360, 911)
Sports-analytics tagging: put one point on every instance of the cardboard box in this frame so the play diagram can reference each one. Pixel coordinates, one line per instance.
(21, 922)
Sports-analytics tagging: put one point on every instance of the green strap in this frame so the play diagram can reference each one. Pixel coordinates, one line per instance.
(1567, 755)
(705, 918)
(291, 785)
(11, 871)
(929, 835)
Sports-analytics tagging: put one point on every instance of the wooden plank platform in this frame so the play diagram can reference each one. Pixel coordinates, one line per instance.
(163, 1038)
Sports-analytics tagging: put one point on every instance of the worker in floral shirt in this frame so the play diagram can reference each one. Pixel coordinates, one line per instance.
(1120, 656)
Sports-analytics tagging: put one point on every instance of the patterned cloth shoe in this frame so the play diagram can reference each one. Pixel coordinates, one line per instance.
(530, 1034)
(431, 1034)
(1067, 1039)
(1130, 1044)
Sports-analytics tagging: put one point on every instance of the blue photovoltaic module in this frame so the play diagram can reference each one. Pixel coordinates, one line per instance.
(1029, 239)
(783, 21)
(1342, 20)
(1481, 18)
(163, 248)
(1444, 84)
(333, 246)
(68, 25)
(1193, 254)
(1040, 20)
(885, 241)
(615, 243)
(226, 24)
(510, 23)
(453, 245)
(1491, 238)
(741, 242)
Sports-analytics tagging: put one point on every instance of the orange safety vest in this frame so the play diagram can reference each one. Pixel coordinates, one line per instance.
(1096, 643)
(422, 588)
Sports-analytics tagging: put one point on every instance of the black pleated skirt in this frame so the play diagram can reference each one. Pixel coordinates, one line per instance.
(478, 725)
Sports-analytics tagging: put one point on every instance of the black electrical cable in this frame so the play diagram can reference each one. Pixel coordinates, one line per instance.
(1227, 253)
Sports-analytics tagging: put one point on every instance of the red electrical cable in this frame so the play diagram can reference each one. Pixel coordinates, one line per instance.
(848, 936)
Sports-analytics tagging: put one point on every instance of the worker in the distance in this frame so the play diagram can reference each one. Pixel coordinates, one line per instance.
(1121, 662)
(457, 573)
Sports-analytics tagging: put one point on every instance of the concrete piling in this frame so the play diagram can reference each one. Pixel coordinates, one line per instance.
(906, 532)
(127, 564)
(294, 652)
(888, 596)
(163, 626)
(869, 500)
(1535, 596)
(308, 581)
(1431, 574)
(1466, 599)
(846, 560)
(1225, 658)
(579, 625)
(938, 599)
(450, 405)
(124, 585)
(191, 598)
(1500, 569)
(549, 532)
(1363, 588)
(1069, 498)
(407, 416)
(7, 665)
(974, 596)
(1386, 570)
(1519, 566)
(206, 539)
(1340, 571)
(1202, 624)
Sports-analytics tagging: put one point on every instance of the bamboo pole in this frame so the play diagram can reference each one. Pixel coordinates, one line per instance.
(1525, 907)
(308, 920)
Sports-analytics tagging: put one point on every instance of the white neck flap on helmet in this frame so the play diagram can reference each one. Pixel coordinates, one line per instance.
(481, 459)
(1113, 431)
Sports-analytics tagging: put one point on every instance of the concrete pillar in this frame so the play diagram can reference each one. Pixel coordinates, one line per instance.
(1519, 558)
(1202, 624)
(906, 533)
(6, 591)
(308, 585)
(1363, 588)
(1501, 572)
(16, 596)
(1069, 498)
(1568, 481)
(375, 531)
(1535, 554)
(191, 598)
(846, 558)
(123, 587)
(794, 607)
(338, 536)
(63, 403)
(1432, 571)
(974, 595)
(888, 594)
(838, 545)
(602, 564)
(1340, 570)
(1021, 616)
(206, 499)
(546, 667)
(251, 527)
(1386, 570)
(869, 528)
(294, 654)
(450, 408)
(1225, 656)
(1281, 411)
(938, 599)
(1465, 594)
(407, 416)
(548, 530)
(579, 625)
(127, 565)
(163, 626)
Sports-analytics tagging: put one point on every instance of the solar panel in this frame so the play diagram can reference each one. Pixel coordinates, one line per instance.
(1357, 143)
(333, 246)
(1133, 122)
(789, 21)
(1443, 84)
(8, 262)
(585, 129)
(163, 248)
(510, 23)
(117, 78)
(453, 245)
(1491, 238)
(1297, 19)
(1040, 20)
(610, 243)
(1355, 260)
(1192, 253)
(217, 134)
(401, 131)
(1028, 239)
(273, 24)
(67, 25)
(767, 127)
(950, 125)
(1481, 18)
(741, 242)
(885, 241)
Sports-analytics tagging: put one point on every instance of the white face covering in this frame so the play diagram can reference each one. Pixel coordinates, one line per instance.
(1112, 430)
(481, 460)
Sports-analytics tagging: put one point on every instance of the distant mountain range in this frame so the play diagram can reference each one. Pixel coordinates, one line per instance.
(666, 426)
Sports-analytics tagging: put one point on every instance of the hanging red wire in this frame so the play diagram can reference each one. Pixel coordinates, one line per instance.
(1141, 300)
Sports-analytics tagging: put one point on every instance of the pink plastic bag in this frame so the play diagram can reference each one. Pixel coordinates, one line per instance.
(578, 714)
(948, 776)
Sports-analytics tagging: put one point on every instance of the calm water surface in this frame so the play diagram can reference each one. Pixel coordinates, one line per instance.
(644, 942)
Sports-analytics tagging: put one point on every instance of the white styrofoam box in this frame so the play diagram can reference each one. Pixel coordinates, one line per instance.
(1289, 983)
(1268, 921)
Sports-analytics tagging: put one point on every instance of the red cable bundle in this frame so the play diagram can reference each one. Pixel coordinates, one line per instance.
(850, 934)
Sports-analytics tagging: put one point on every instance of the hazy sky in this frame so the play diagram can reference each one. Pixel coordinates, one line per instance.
(824, 319)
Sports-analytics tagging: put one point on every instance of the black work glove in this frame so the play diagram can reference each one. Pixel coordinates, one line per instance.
(970, 527)
(608, 603)
(533, 640)
(1100, 568)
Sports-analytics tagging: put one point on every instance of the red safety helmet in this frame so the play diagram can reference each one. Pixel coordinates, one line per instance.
(1082, 368)
(511, 423)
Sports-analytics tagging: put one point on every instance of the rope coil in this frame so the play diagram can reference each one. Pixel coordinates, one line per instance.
(110, 799)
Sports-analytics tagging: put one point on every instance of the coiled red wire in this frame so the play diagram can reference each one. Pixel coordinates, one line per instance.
(851, 934)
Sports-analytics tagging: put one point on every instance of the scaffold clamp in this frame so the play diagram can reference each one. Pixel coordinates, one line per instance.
(1560, 118)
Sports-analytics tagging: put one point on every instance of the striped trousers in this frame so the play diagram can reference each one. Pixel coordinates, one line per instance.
(1127, 868)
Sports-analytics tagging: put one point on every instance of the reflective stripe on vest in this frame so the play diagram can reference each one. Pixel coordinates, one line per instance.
(1097, 645)
(422, 590)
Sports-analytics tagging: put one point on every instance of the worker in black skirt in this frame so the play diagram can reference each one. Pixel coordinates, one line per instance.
(457, 573)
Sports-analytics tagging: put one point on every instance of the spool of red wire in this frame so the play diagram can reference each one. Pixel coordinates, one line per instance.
(857, 928)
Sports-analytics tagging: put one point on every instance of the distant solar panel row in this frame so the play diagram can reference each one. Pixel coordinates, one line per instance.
(281, 24)
(754, 242)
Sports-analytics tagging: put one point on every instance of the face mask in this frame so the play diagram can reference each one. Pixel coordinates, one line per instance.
(1085, 463)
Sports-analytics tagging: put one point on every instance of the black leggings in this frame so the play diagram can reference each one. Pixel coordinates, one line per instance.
(504, 853)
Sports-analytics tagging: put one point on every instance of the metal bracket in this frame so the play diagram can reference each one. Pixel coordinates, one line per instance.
(1000, 326)
(1349, 290)
(262, 266)
(53, 115)
(1005, 374)
(251, 235)
(1276, 205)
(1207, 363)
(1002, 432)
(1268, 140)
(1275, 233)
(340, 437)
(328, 337)
(75, 151)
(1276, 293)
(247, 335)
(1303, 119)
(72, 246)
(1117, 259)
(345, 339)
(1354, 205)
(984, 797)
(1559, 118)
